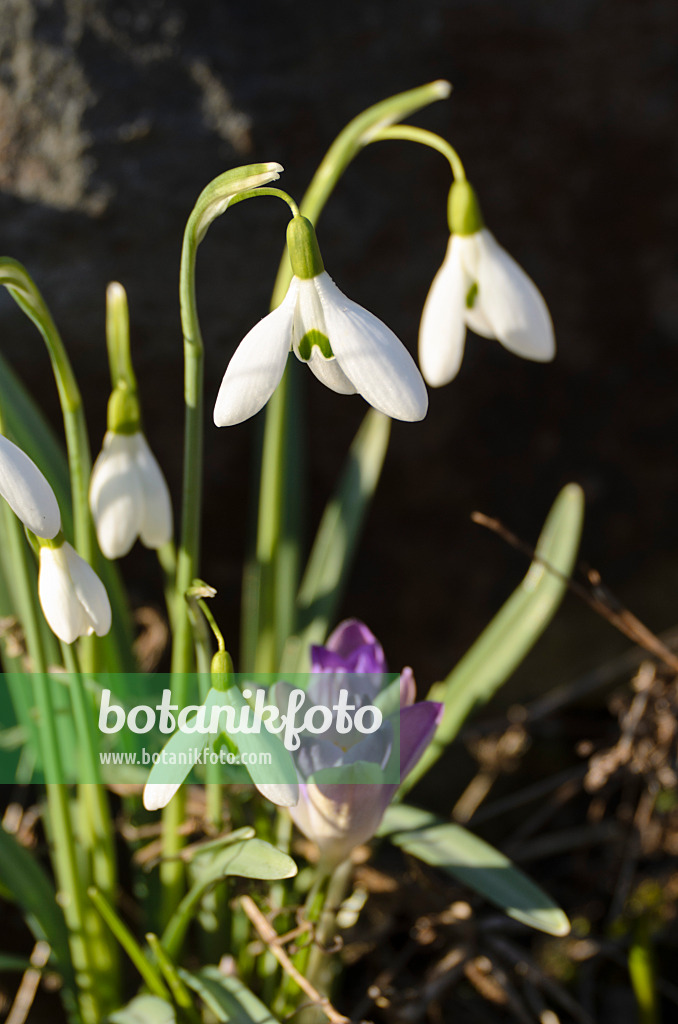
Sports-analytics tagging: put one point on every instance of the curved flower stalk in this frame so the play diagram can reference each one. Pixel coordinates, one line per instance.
(479, 286)
(347, 348)
(337, 816)
(128, 496)
(27, 492)
(73, 598)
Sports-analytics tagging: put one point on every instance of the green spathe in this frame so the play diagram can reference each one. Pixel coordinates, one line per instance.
(123, 414)
(463, 210)
(303, 248)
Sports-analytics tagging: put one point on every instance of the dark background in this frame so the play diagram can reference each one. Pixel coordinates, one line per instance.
(114, 115)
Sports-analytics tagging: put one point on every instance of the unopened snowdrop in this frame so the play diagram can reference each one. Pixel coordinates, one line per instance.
(479, 286)
(347, 348)
(128, 495)
(27, 492)
(73, 598)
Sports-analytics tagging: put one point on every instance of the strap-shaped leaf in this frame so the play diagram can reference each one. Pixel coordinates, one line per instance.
(27, 884)
(337, 538)
(252, 858)
(514, 630)
(474, 862)
(228, 998)
(145, 1009)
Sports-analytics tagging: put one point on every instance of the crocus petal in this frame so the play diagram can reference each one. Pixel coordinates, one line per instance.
(27, 492)
(418, 722)
(156, 523)
(512, 303)
(159, 794)
(90, 591)
(374, 360)
(339, 818)
(352, 634)
(116, 495)
(443, 328)
(257, 365)
(65, 615)
(408, 688)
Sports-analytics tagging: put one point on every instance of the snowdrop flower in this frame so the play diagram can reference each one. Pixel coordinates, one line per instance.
(73, 598)
(27, 492)
(347, 348)
(128, 495)
(337, 816)
(479, 286)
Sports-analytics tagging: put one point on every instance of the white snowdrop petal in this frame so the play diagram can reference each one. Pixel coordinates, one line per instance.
(330, 373)
(442, 330)
(513, 304)
(282, 794)
(60, 605)
(374, 360)
(257, 365)
(27, 492)
(116, 495)
(156, 521)
(90, 591)
(158, 794)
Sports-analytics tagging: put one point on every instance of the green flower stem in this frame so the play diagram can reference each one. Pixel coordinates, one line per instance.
(117, 338)
(212, 202)
(270, 585)
(62, 840)
(180, 994)
(21, 287)
(148, 971)
(408, 133)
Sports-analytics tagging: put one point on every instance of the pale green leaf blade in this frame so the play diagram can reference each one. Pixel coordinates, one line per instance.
(227, 997)
(478, 865)
(145, 1009)
(23, 879)
(338, 534)
(514, 630)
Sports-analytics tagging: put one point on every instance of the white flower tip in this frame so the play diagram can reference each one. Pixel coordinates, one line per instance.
(283, 794)
(157, 795)
(442, 87)
(115, 292)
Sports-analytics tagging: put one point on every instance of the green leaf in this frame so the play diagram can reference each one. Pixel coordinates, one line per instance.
(252, 858)
(513, 631)
(337, 538)
(474, 862)
(14, 963)
(228, 998)
(145, 1010)
(31, 889)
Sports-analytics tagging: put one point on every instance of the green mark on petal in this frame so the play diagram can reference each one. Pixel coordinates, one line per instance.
(312, 338)
(471, 295)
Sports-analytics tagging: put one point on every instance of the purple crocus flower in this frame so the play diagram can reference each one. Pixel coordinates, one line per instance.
(339, 816)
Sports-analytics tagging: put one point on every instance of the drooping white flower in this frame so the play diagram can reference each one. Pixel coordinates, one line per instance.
(27, 492)
(128, 496)
(479, 286)
(347, 348)
(73, 598)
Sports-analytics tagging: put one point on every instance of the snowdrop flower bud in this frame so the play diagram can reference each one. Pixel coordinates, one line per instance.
(73, 598)
(347, 348)
(479, 286)
(27, 492)
(128, 495)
